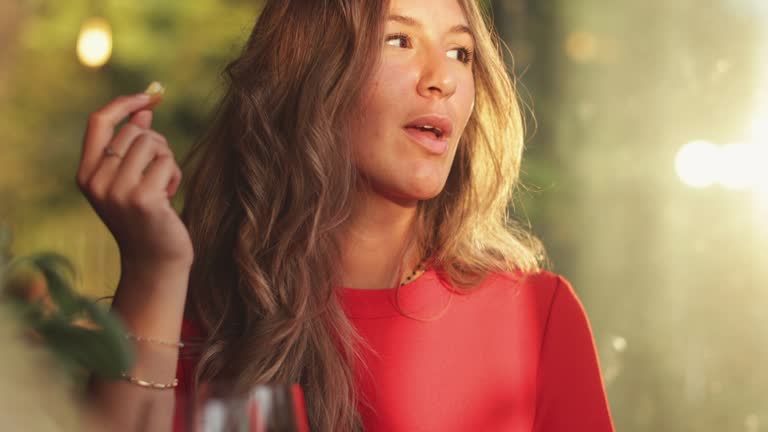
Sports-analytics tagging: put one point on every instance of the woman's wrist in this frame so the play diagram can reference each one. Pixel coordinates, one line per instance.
(151, 268)
(151, 300)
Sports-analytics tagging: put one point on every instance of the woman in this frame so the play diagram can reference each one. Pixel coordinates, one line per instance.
(347, 211)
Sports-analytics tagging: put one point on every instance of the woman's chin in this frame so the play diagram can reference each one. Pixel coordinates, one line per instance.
(411, 196)
(426, 190)
(413, 189)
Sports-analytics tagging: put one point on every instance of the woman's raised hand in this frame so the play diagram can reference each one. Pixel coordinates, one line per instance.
(129, 176)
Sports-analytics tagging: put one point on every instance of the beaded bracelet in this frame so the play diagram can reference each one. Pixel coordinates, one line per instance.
(150, 384)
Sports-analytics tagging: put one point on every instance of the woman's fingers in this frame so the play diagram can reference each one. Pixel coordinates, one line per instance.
(107, 173)
(144, 152)
(101, 126)
(99, 183)
(128, 175)
(126, 136)
(142, 119)
(173, 185)
(160, 176)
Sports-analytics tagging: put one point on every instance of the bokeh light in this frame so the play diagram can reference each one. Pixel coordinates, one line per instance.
(619, 344)
(94, 45)
(581, 46)
(697, 164)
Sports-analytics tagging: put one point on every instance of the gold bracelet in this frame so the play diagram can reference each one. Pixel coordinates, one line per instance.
(150, 384)
(155, 341)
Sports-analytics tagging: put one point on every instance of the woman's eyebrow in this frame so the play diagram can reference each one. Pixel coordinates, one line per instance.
(413, 22)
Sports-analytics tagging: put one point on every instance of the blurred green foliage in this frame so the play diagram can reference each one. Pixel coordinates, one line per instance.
(84, 336)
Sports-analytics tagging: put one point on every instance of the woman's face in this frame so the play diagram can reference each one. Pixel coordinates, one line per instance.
(418, 101)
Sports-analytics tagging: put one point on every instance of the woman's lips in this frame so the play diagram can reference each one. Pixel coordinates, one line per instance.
(428, 140)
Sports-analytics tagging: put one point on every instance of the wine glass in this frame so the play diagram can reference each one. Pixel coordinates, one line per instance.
(265, 408)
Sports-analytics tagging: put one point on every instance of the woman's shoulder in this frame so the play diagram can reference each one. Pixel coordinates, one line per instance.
(543, 288)
(542, 283)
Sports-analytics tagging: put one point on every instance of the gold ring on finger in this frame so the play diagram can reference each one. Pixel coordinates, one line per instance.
(110, 152)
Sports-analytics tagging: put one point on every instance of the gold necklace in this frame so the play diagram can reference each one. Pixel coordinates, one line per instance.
(420, 267)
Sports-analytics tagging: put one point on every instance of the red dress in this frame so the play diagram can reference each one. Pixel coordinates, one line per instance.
(517, 354)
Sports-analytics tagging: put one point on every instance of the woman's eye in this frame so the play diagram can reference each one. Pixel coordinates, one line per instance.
(463, 55)
(402, 40)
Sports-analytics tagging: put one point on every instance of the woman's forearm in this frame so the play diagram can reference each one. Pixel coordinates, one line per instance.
(151, 304)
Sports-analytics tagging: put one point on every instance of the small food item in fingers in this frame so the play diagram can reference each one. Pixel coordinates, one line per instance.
(156, 90)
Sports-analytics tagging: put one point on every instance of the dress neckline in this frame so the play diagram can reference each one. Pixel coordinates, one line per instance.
(425, 296)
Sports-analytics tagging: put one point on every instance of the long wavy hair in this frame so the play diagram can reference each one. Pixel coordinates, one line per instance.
(273, 180)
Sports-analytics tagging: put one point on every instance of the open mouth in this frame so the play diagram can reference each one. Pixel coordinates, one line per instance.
(430, 130)
(434, 141)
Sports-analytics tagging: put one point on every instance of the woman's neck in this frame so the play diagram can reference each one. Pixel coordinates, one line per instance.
(378, 243)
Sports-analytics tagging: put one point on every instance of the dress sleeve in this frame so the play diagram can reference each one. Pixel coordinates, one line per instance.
(571, 393)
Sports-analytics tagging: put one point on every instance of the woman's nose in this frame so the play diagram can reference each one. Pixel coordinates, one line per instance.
(438, 78)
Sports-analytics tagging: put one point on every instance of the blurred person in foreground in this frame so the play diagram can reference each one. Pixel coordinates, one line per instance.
(346, 228)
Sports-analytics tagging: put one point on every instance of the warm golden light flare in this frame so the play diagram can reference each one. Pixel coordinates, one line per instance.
(94, 45)
(697, 164)
(734, 166)
(739, 166)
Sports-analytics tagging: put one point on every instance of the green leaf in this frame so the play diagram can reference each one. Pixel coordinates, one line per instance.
(113, 330)
(94, 350)
(102, 350)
